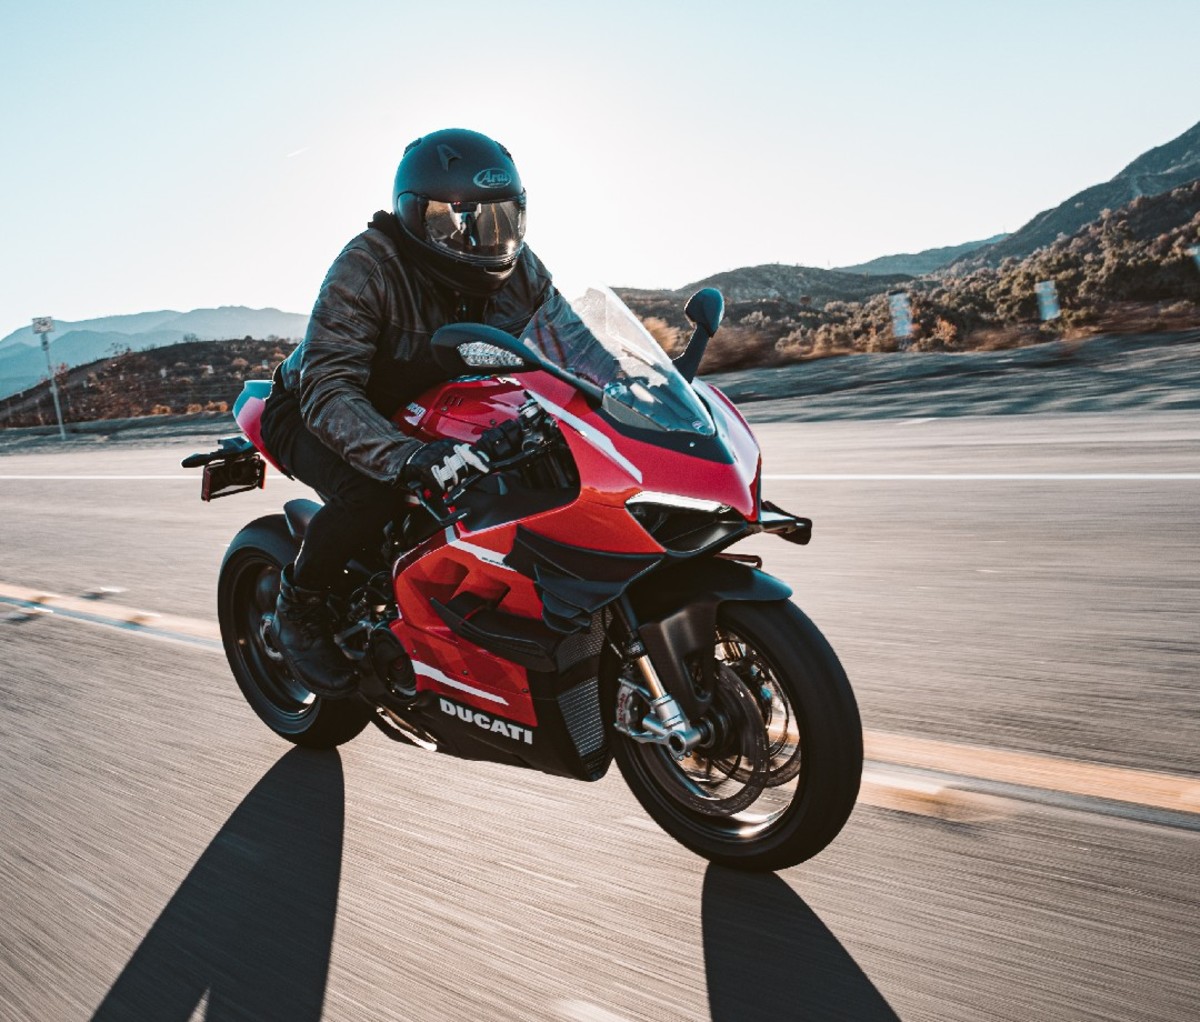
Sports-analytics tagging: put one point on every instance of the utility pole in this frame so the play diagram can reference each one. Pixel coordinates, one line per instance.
(44, 325)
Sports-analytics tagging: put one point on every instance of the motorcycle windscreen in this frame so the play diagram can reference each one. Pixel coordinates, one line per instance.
(594, 337)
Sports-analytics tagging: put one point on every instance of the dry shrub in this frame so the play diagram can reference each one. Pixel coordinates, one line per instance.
(794, 346)
(670, 338)
(832, 339)
(737, 347)
(217, 406)
(193, 409)
(945, 333)
(161, 410)
(993, 338)
(881, 341)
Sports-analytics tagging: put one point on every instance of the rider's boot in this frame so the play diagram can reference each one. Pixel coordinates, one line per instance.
(301, 632)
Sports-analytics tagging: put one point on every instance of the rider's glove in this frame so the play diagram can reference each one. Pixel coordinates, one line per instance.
(441, 465)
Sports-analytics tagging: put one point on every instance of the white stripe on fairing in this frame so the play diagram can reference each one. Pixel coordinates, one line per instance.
(444, 679)
(481, 553)
(996, 477)
(598, 440)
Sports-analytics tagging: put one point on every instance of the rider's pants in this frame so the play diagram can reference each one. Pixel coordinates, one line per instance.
(356, 509)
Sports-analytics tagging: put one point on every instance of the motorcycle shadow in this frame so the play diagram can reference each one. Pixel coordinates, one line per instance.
(767, 955)
(251, 926)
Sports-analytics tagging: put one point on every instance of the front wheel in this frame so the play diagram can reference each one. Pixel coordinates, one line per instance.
(780, 777)
(246, 594)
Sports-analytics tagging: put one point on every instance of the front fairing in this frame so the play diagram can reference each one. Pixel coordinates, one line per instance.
(616, 462)
(635, 422)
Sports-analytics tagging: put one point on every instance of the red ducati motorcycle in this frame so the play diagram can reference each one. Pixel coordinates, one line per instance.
(579, 603)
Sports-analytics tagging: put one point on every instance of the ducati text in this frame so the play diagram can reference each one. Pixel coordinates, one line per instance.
(482, 720)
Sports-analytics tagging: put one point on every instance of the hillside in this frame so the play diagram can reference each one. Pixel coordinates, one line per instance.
(761, 303)
(1130, 271)
(917, 264)
(778, 281)
(1154, 172)
(191, 376)
(22, 362)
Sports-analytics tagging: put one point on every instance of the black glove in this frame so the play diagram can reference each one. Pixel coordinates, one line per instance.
(441, 465)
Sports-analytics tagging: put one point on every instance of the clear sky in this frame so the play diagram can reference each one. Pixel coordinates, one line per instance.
(168, 155)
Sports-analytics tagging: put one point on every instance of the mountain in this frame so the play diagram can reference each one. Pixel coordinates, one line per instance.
(920, 263)
(795, 285)
(22, 362)
(1154, 172)
(134, 323)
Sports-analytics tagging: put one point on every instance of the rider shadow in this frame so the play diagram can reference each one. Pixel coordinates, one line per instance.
(251, 927)
(768, 956)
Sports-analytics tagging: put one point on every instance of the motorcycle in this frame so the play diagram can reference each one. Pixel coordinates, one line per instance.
(580, 602)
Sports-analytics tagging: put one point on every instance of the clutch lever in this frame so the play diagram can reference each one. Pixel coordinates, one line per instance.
(437, 506)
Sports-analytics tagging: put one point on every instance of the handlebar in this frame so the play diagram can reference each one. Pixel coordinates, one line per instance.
(507, 446)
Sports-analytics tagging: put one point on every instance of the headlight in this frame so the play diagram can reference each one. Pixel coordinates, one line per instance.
(686, 525)
(676, 501)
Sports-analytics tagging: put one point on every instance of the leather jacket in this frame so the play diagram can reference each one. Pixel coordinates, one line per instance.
(367, 351)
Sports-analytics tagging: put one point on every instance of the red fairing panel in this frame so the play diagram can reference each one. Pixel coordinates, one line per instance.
(249, 420)
(612, 468)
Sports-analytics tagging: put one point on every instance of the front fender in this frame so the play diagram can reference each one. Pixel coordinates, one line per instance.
(676, 607)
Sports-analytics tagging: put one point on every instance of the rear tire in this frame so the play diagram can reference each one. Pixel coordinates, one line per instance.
(813, 747)
(246, 592)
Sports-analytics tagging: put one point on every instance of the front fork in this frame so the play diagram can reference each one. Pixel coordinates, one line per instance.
(665, 724)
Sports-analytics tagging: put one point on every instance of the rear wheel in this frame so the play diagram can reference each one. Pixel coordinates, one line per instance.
(246, 594)
(778, 777)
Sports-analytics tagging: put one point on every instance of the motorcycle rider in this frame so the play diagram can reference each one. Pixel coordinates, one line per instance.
(451, 250)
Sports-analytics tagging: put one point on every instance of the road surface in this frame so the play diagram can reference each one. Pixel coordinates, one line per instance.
(1017, 594)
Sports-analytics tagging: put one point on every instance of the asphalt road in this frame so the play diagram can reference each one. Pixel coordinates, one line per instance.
(163, 856)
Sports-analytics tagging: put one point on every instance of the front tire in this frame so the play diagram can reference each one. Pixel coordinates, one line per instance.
(246, 594)
(810, 738)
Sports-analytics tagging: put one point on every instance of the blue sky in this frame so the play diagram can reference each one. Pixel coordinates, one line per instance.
(165, 155)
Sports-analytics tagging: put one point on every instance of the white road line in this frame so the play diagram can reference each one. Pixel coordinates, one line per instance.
(997, 477)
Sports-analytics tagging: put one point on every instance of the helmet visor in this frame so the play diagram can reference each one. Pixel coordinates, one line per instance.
(487, 233)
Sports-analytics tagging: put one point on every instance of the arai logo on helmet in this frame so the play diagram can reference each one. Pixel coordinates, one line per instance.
(493, 177)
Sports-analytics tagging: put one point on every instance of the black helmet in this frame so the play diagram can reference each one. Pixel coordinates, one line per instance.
(458, 194)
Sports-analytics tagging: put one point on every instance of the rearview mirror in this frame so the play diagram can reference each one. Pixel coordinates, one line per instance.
(706, 309)
(477, 348)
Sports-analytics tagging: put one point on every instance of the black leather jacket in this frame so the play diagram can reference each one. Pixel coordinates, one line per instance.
(367, 350)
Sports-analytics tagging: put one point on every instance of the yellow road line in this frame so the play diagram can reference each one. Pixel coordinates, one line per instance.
(113, 611)
(1050, 773)
(929, 798)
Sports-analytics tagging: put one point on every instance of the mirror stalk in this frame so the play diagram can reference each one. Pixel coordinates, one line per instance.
(706, 309)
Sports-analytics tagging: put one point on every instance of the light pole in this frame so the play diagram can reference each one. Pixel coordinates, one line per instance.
(44, 325)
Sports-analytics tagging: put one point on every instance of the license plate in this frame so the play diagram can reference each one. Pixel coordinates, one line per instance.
(236, 475)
